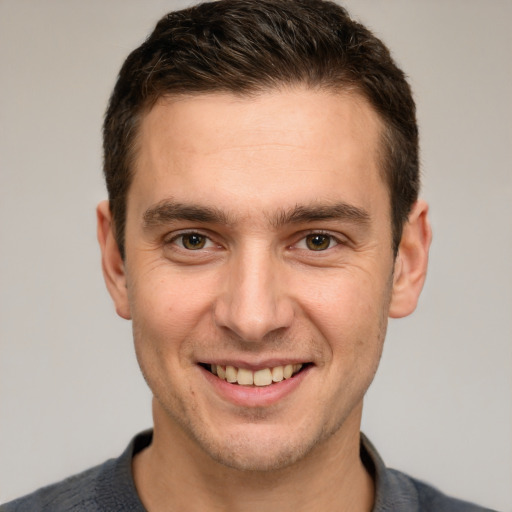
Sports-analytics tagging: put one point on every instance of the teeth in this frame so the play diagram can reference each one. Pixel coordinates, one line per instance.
(245, 377)
(231, 373)
(221, 372)
(288, 371)
(277, 374)
(263, 377)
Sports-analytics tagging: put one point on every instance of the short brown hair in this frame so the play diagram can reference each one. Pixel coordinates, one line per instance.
(249, 46)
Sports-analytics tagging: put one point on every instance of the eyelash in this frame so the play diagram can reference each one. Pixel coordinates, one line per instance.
(331, 239)
(175, 238)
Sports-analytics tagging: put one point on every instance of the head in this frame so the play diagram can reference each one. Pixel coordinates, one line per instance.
(244, 47)
(261, 159)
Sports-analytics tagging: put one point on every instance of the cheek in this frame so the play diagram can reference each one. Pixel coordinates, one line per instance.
(350, 311)
(171, 296)
(341, 293)
(167, 309)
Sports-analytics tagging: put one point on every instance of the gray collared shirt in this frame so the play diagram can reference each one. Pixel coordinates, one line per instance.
(109, 487)
(398, 492)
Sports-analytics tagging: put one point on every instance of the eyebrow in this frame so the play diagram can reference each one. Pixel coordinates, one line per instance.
(301, 214)
(168, 211)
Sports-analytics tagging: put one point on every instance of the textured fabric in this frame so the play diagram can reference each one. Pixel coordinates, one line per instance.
(397, 492)
(110, 488)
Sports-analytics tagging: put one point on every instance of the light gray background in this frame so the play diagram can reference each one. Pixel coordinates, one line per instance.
(71, 394)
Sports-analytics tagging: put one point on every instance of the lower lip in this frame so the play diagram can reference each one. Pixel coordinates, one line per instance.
(255, 396)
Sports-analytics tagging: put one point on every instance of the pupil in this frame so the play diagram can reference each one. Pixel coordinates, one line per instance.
(193, 241)
(318, 242)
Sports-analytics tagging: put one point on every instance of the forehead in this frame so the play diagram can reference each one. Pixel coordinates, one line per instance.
(275, 147)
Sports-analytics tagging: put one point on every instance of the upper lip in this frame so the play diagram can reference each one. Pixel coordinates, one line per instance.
(255, 365)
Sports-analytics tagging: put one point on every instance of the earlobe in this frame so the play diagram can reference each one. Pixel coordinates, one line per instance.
(111, 261)
(411, 262)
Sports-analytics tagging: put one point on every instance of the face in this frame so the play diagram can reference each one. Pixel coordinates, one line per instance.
(258, 270)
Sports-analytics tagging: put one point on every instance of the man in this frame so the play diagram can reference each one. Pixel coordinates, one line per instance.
(263, 223)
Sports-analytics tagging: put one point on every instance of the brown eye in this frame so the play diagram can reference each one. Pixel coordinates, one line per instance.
(193, 241)
(318, 242)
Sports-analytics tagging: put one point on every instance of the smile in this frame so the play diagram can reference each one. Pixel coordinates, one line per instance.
(262, 377)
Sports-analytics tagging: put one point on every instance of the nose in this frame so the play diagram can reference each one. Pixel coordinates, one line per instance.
(254, 300)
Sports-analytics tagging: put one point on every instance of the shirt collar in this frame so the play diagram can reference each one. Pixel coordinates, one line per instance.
(394, 492)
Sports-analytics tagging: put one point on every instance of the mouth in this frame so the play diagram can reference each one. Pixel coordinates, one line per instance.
(256, 378)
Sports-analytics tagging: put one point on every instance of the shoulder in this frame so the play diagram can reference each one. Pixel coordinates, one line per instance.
(426, 497)
(75, 493)
(397, 492)
(108, 487)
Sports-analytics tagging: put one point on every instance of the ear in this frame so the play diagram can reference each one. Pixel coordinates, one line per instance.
(411, 262)
(111, 262)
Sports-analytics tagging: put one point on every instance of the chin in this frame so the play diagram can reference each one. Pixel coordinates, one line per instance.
(260, 451)
(261, 458)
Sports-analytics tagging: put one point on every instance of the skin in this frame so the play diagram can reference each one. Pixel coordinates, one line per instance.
(265, 173)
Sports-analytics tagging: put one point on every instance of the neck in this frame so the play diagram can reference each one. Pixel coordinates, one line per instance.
(173, 473)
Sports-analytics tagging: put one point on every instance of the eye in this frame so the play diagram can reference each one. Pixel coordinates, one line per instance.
(317, 242)
(192, 241)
